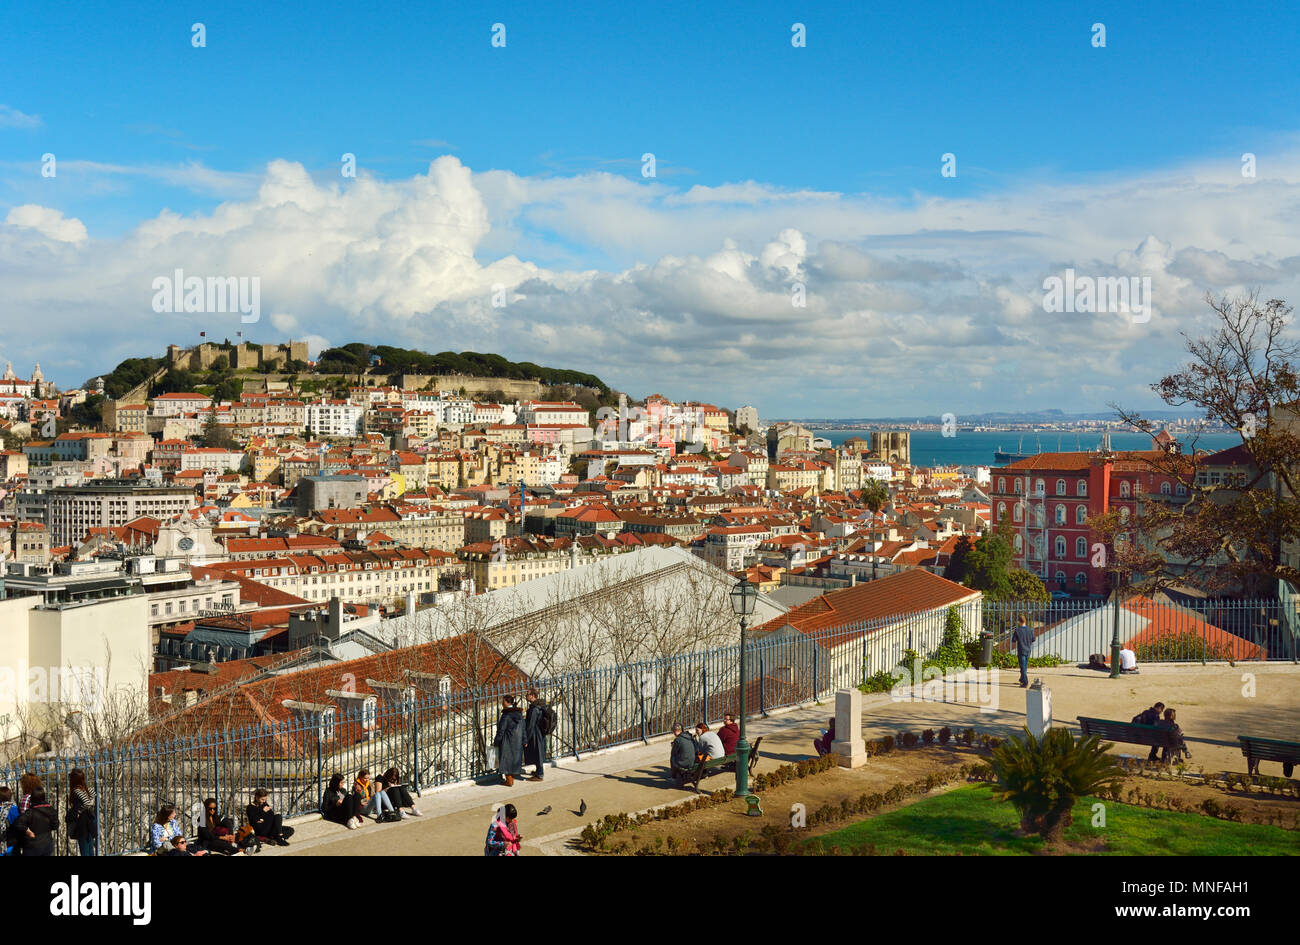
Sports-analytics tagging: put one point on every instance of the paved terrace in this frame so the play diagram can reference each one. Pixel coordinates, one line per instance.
(1212, 711)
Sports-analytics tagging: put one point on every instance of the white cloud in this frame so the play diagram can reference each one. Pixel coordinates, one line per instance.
(11, 117)
(906, 299)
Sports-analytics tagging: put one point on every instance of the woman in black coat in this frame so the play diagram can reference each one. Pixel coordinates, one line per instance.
(216, 833)
(36, 825)
(341, 805)
(509, 741)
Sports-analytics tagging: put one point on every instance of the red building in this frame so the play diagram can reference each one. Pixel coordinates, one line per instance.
(1049, 498)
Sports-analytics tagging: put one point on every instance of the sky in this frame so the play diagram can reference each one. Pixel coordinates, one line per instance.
(860, 225)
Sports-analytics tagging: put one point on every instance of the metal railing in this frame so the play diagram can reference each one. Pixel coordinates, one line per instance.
(436, 739)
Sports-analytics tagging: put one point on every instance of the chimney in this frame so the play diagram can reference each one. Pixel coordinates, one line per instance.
(335, 625)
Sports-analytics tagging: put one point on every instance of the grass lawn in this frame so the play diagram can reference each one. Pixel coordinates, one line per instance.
(969, 820)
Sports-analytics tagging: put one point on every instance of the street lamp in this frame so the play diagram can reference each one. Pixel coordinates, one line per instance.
(743, 598)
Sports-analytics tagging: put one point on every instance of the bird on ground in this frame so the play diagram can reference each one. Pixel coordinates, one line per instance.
(582, 807)
(544, 811)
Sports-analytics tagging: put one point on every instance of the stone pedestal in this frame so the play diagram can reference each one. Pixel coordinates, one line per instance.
(848, 742)
(1038, 710)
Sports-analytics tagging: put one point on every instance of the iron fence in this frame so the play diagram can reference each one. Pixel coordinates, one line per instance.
(438, 738)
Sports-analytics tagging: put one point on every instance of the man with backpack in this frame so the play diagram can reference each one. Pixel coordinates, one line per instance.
(539, 723)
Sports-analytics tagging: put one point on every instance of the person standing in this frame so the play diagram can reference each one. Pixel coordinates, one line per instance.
(729, 734)
(509, 741)
(1024, 638)
(503, 833)
(36, 825)
(539, 722)
(8, 815)
(26, 785)
(81, 820)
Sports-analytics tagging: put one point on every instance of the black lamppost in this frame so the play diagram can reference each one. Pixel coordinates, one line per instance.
(743, 598)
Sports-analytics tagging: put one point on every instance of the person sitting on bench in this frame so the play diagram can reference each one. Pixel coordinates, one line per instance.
(1150, 716)
(1180, 745)
(707, 744)
(682, 759)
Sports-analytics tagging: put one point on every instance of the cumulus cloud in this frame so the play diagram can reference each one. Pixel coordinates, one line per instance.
(848, 305)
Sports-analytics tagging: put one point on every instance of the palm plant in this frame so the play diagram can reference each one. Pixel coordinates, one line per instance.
(875, 496)
(1042, 778)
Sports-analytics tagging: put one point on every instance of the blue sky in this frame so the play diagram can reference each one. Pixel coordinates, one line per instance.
(840, 141)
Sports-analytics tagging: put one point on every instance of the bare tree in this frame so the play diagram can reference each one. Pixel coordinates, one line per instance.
(1232, 534)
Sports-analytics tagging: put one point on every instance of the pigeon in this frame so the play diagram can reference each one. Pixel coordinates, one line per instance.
(545, 811)
(582, 807)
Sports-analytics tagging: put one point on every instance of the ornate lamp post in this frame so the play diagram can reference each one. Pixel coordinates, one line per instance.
(743, 598)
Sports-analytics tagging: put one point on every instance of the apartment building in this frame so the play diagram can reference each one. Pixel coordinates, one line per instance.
(335, 418)
(352, 576)
(73, 510)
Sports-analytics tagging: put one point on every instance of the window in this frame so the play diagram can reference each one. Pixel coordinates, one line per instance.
(1060, 515)
(1060, 577)
(1080, 514)
(1123, 514)
(1060, 548)
(1020, 544)
(1081, 547)
(1002, 484)
(1081, 578)
(1020, 487)
(1040, 487)
(1124, 490)
(1018, 512)
(1082, 491)
(1182, 489)
(1060, 487)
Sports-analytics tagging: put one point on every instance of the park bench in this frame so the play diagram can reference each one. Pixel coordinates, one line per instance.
(1155, 736)
(1269, 749)
(710, 765)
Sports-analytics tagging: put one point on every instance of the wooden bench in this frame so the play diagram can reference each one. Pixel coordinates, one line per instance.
(1269, 749)
(1155, 736)
(710, 765)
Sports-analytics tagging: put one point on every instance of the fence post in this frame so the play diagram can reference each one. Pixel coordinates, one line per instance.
(415, 746)
(762, 684)
(704, 686)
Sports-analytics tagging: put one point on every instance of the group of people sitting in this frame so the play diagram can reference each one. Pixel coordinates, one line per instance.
(1162, 717)
(386, 800)
(689, 748)
(217, 834)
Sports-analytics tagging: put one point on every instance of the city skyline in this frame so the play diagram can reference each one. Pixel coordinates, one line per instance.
(687, 204)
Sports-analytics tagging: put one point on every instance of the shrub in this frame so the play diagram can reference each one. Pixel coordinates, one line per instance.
(945, 735)
(967, 736)
(910, 739)
(928, 736)
(1042, 778)
(887, 744)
